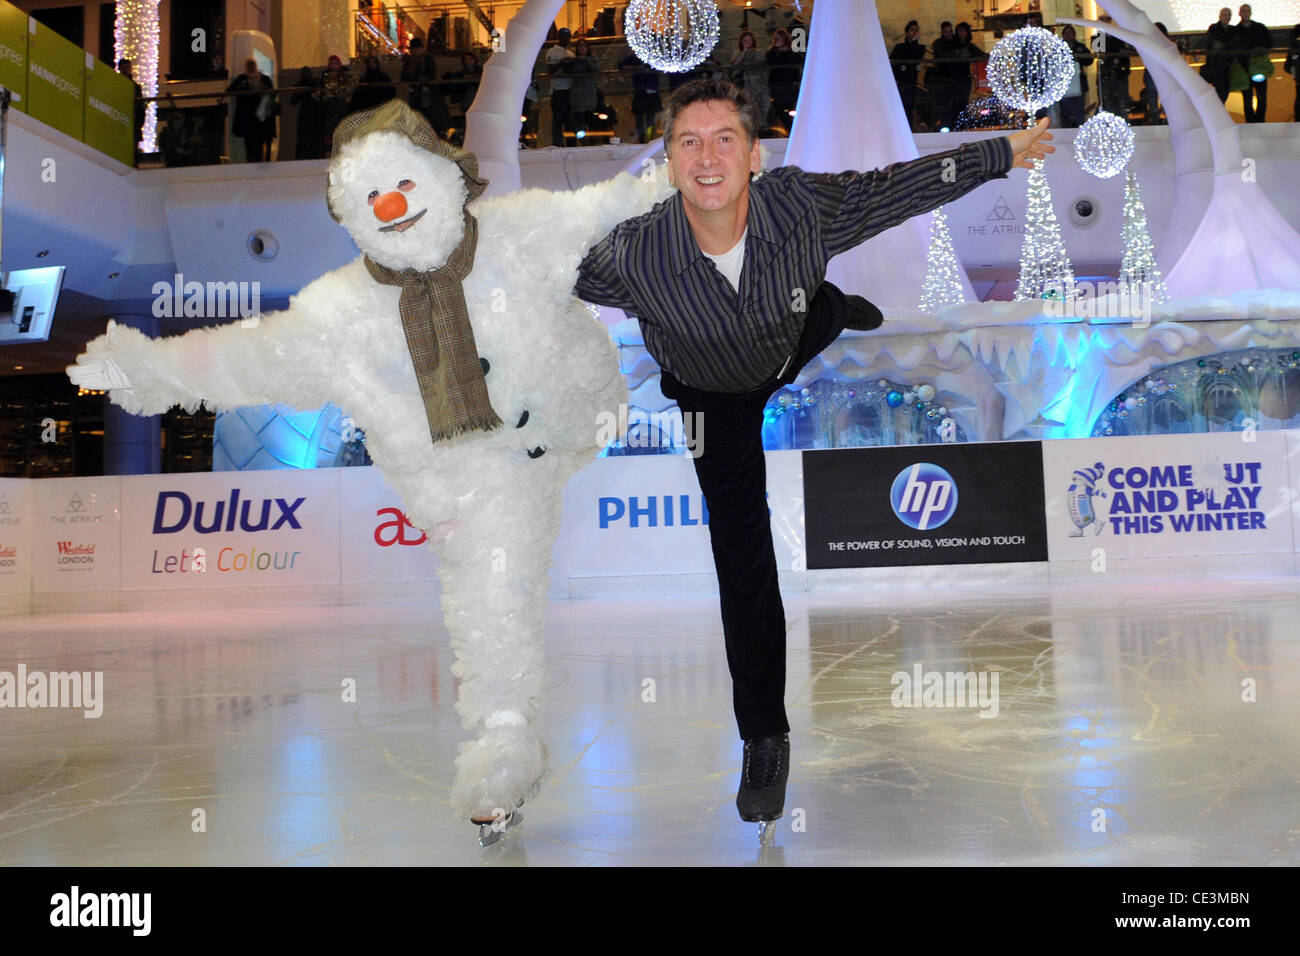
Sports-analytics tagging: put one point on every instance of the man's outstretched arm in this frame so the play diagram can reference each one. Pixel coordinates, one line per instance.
(853, 206)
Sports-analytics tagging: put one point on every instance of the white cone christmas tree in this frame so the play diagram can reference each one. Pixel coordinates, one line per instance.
(1139, 267)
(943, 273)
(1045, 270)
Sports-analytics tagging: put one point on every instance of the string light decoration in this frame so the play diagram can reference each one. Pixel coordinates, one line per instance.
(1104, 145)
(135, 38)
(942, 288)
(1138, 273)
(671, 36)
(1045, 269)
(1030, 69)
(988, 113)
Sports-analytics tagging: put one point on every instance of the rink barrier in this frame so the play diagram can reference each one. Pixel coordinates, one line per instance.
(640, 519)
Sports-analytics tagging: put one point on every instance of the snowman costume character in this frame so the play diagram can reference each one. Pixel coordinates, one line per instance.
(489, 496)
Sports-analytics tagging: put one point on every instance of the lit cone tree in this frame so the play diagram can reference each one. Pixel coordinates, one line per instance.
(1045, 270)
(943, 274)
(1139, 265)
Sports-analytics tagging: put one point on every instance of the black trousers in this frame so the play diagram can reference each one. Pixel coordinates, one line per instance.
(733, 477)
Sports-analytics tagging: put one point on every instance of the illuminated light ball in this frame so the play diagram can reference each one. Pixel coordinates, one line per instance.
(1104, 145)
(1030, 69)
(894, 398)
(882, 383)
(1130, 403)
(803, 391)
(943, 411)
(672, 36)
(852, 393)
(925, 392)
(909, 397)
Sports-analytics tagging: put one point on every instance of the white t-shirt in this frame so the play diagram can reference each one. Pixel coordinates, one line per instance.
(730, 263)
(553, 56)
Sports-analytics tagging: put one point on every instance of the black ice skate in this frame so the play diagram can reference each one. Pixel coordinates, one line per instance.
(763, 777)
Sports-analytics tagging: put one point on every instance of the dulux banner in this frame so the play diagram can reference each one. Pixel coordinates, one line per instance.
(15, 536)
(1168, 495)
(75, 534)
(230, 529)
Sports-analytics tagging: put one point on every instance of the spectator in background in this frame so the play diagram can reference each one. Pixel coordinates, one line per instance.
(374, 89)
(940, 73)
(1151, 107)
(561, 86)
(1293, 65)
(337, 87)
(751, 75)
(1034, 20)
(420, 69)
(1113, 73)
(582, 69)
(905, 59)
(785, 70)
(310, 127)
(173, 140)
(124, 67)
(465, 83)
(249, 88)
(646, 99)
(1253, 40)
(968, 53)
(1220, 40)
(1077, 93)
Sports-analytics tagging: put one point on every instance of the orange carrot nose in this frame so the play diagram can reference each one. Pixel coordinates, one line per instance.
(390, 206)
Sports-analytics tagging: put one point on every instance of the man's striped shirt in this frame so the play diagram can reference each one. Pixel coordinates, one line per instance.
(713, 338)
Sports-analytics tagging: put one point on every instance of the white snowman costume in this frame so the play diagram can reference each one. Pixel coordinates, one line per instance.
(489, 501)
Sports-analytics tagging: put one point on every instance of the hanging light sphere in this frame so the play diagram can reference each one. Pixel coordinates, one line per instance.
(671, 36)
(1030, 69)
(1104, 145)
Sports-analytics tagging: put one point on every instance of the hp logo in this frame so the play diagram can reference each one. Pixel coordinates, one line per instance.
(924, 496)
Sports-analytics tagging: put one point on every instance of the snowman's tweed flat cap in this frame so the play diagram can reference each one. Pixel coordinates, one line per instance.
(397, 117)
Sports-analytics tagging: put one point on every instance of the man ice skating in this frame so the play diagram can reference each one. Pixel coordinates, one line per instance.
(717, 275)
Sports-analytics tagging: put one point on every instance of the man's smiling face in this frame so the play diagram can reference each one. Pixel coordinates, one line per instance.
(712, 156)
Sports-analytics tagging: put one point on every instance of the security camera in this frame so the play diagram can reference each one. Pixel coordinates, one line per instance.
(1085, 212)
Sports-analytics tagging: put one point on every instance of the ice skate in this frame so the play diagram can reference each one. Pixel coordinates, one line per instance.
(493, 826)
(763, 777)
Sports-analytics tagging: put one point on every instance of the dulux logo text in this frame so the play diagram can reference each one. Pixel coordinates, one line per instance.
(188, 508)
(923, 496)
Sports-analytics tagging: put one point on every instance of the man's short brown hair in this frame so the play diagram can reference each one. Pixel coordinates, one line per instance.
(707, 89)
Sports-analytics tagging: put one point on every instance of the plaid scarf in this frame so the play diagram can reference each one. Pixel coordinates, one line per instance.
(432, 305)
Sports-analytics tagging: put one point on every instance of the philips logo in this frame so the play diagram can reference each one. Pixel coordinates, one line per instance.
(923, 496)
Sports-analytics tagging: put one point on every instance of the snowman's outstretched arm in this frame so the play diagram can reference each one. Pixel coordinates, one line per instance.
(553, 227)
(276, 358)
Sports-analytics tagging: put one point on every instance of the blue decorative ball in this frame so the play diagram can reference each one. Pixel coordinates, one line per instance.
(894, 398)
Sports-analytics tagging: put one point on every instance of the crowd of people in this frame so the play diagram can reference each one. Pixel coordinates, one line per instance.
(936, 82)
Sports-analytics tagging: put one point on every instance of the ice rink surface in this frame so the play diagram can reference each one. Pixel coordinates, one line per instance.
(1120, 736)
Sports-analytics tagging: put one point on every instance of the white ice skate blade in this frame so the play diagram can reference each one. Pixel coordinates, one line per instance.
(489, 833)
(767, 832)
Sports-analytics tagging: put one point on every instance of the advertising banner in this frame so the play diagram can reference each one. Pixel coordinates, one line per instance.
(110, 111)
(924, 504)
(15, 536)
(230, 529)
(644, 514)
(74, 534)
(13, 52)
(377, 543)
(1168, 495)
(55, 80)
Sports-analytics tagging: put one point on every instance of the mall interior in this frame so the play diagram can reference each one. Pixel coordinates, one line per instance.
(1062, 474)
